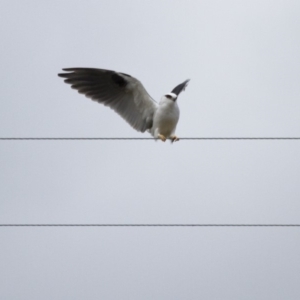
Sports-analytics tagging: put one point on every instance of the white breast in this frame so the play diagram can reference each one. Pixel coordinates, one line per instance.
(166, 118)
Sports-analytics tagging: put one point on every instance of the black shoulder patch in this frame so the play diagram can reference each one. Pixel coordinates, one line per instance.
(119, 80)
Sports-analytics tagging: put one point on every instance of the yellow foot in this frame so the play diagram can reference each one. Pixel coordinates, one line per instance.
(174, 138)
(162, 137)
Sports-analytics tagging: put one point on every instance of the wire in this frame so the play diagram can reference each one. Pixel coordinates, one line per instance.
(130, 139)
(149, 225)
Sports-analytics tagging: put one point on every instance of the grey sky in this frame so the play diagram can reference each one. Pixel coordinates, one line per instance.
(243, 61)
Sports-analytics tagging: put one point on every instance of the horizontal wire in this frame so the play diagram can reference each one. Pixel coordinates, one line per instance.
(135, 138)
(149, 225)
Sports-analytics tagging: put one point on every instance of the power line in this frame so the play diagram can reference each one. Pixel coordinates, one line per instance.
(137, 138)
(149, 225)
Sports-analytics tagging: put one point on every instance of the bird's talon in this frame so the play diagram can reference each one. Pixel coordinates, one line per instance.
(174, 138)
(162, 137)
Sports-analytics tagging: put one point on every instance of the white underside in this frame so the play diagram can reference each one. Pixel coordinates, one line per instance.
(165, 119)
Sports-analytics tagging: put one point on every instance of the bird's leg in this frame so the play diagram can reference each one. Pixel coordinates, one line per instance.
(162, 137)
(174, 138)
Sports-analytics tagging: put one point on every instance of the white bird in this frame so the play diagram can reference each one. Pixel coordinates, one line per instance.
(127, 96)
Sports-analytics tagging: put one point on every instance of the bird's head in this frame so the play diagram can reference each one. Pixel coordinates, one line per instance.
(175, 92)
(170, 97)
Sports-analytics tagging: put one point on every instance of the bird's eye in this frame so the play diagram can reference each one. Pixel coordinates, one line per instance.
(169, 97)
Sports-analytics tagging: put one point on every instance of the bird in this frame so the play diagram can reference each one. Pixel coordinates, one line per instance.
(127, 96)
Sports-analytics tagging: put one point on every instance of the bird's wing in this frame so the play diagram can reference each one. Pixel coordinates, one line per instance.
(121, 92)
(180, 87)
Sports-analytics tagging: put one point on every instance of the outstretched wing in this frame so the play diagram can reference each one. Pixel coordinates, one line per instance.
(121, 92)
(180, 87)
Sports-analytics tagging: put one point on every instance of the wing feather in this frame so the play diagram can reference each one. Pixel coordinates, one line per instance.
(121, 92)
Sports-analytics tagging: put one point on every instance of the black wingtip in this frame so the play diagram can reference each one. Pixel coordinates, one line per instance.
(180, 87)
(63, 75)
(71, 69)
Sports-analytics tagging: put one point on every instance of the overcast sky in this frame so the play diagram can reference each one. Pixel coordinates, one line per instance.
(243, 59)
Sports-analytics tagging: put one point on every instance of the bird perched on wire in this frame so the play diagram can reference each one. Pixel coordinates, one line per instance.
(127, 96)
